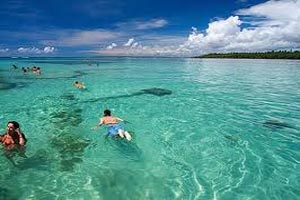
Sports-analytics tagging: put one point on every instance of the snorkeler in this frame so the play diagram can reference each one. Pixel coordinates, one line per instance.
(79, 85)
(113, 126)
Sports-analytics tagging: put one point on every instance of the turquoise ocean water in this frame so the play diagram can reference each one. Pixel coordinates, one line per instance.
(216, 129)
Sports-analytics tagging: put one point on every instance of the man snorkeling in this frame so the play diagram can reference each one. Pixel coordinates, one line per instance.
(113, 126)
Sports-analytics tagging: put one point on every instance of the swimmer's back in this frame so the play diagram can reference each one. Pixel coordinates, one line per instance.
(109, 120)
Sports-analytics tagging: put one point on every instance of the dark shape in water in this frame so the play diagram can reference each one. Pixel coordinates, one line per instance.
(70, 148)
(68, 96)
(6, 194)
(70, 117)
(7, 86)
(152, 91)
(79, 74)
(273, 123)
(232, 139)
(37, 161)
(157, 91)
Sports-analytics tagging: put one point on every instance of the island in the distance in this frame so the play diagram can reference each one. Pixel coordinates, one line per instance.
(255, 55)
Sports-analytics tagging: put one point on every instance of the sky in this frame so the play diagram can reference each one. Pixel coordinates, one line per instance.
(147, 27)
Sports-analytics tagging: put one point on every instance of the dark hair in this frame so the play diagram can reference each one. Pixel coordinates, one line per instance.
(107, 112)
(76, 82)
(16, 124)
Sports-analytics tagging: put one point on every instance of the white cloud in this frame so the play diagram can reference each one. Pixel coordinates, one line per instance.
(4, 50)
(283, 11)
(49, 49)
(272, 25)
(152, 24)
(134, 45)
(143, 24)
(113, 45)
(35, 50)
(129, 42)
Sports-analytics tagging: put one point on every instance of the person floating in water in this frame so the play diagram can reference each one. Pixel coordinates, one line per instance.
(79, 85)
(113, 126)
(13, 140)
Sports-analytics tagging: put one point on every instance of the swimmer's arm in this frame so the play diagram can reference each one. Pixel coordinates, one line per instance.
(21, 139)
(123, 120)
(119, 119)
(99, 124)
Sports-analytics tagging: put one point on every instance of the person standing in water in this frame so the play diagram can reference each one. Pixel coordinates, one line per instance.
(13, 135)
(113, 126)
(13, 141)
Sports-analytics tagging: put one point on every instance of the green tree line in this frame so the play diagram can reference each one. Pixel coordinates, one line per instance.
(255, 55)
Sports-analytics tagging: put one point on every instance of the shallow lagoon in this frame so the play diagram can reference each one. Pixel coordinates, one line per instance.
(225, 129)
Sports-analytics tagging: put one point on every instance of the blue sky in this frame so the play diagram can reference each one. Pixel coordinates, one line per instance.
(146, 27)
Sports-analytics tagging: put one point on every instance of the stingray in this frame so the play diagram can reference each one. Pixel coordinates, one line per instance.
(156, 91)
(152, 91)
(273, 123)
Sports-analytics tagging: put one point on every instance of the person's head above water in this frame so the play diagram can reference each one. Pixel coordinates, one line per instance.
(12, 125)
(76, 82)
(107, 113)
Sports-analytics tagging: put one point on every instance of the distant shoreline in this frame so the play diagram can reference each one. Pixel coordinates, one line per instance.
(291, 55)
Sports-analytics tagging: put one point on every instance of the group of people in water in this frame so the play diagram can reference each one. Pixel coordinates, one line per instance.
(34, 70)
(14, 140)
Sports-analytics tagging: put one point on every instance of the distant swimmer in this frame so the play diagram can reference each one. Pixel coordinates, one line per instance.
(38, 71)
(113, 126)
(24, 70)
(14, 67)
(79, 85)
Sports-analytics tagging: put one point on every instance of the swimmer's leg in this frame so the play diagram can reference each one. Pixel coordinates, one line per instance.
(121, 133)
(127, 136)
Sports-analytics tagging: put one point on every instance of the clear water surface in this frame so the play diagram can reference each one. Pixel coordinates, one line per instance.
(229, 129)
